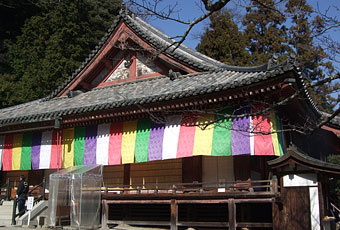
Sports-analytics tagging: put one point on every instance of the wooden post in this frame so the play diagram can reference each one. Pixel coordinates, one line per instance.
(275, 214)
(274, 185)
(321, 201)
(232, 214)
(174, 215)
(126, 178)
(44, 189)
(8, 190)
(105, 214)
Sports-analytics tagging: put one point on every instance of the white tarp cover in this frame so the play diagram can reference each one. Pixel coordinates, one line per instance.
(75, 193)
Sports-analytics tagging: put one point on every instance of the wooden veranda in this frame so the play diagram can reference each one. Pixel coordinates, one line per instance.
(231, 205)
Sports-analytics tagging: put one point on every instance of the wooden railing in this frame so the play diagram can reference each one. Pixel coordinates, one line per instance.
(249, 186)
(229, 195)
(335, 211)
(5, 191)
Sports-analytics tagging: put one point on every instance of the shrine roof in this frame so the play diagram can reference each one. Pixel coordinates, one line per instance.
(159, 41)
(139, 92)
(335, 120)
(212, 76)
(296, 156)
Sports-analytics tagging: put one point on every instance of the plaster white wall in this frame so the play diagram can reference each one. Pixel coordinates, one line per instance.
(314, 208)
(300, 180)
(145, 65)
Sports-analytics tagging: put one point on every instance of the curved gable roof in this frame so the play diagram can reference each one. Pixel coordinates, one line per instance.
(294, 156)
(159, 41)
(213, 76)
(139, 92)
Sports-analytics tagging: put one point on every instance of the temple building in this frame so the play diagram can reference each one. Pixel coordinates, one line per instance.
(185, 140)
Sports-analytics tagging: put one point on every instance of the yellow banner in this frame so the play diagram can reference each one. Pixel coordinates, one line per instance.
(204, 135)
(275, 137)
(68, 147)
(16, 154)
(128, 142)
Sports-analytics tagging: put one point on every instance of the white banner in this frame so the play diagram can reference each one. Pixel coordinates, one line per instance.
(102, 152)
(45, 150)
(170, 139)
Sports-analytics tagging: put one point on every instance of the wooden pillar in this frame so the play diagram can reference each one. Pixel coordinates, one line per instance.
(276, 214)
(126, 179)
(174, 215)
(133, 66)
(321, 197)
(232, 214)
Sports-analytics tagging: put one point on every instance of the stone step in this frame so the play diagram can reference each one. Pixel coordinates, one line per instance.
(6, 204)
(5, 222)
(6, 210)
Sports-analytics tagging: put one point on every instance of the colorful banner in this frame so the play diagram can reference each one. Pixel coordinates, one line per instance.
(142, 140)
(35, 150)
(26, 152)
(128, 142)
(262, 126)
(115, 145)
(240, 133)
(221, 145)
(7, 153)
(45, 150)
(56, 157)
(103, 138)
(16, 152)
(210, 134)
(204, 135)
(170, 138)
(2, 146)
(90, 145)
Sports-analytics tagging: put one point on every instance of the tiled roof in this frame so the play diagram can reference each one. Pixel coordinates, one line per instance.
(334, 121)
(144, 91)
(303, 159)
(216, 77)
(159, 41)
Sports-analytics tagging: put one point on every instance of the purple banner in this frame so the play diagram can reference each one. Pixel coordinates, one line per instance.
(35, 151)
(90, 145)
(156, 141)
(240, 139)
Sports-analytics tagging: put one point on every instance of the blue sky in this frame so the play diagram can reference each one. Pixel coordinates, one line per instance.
(189, 9)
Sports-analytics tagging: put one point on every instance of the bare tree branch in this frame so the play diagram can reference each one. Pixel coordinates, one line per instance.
(208, 7)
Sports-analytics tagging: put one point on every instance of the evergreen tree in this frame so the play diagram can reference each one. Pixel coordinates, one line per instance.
(309, 56)
(53, 44)
(7, 90)
(265, 32)
(223, 41)
(13, 14)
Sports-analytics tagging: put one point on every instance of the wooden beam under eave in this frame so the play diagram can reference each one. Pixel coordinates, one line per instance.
(86, 85)
(108, 63)
(202, 101)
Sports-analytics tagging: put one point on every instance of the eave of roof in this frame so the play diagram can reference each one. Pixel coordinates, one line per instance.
(335, 122)
(63, 105)
(144, 91)
(303, 159)
(159, 41)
